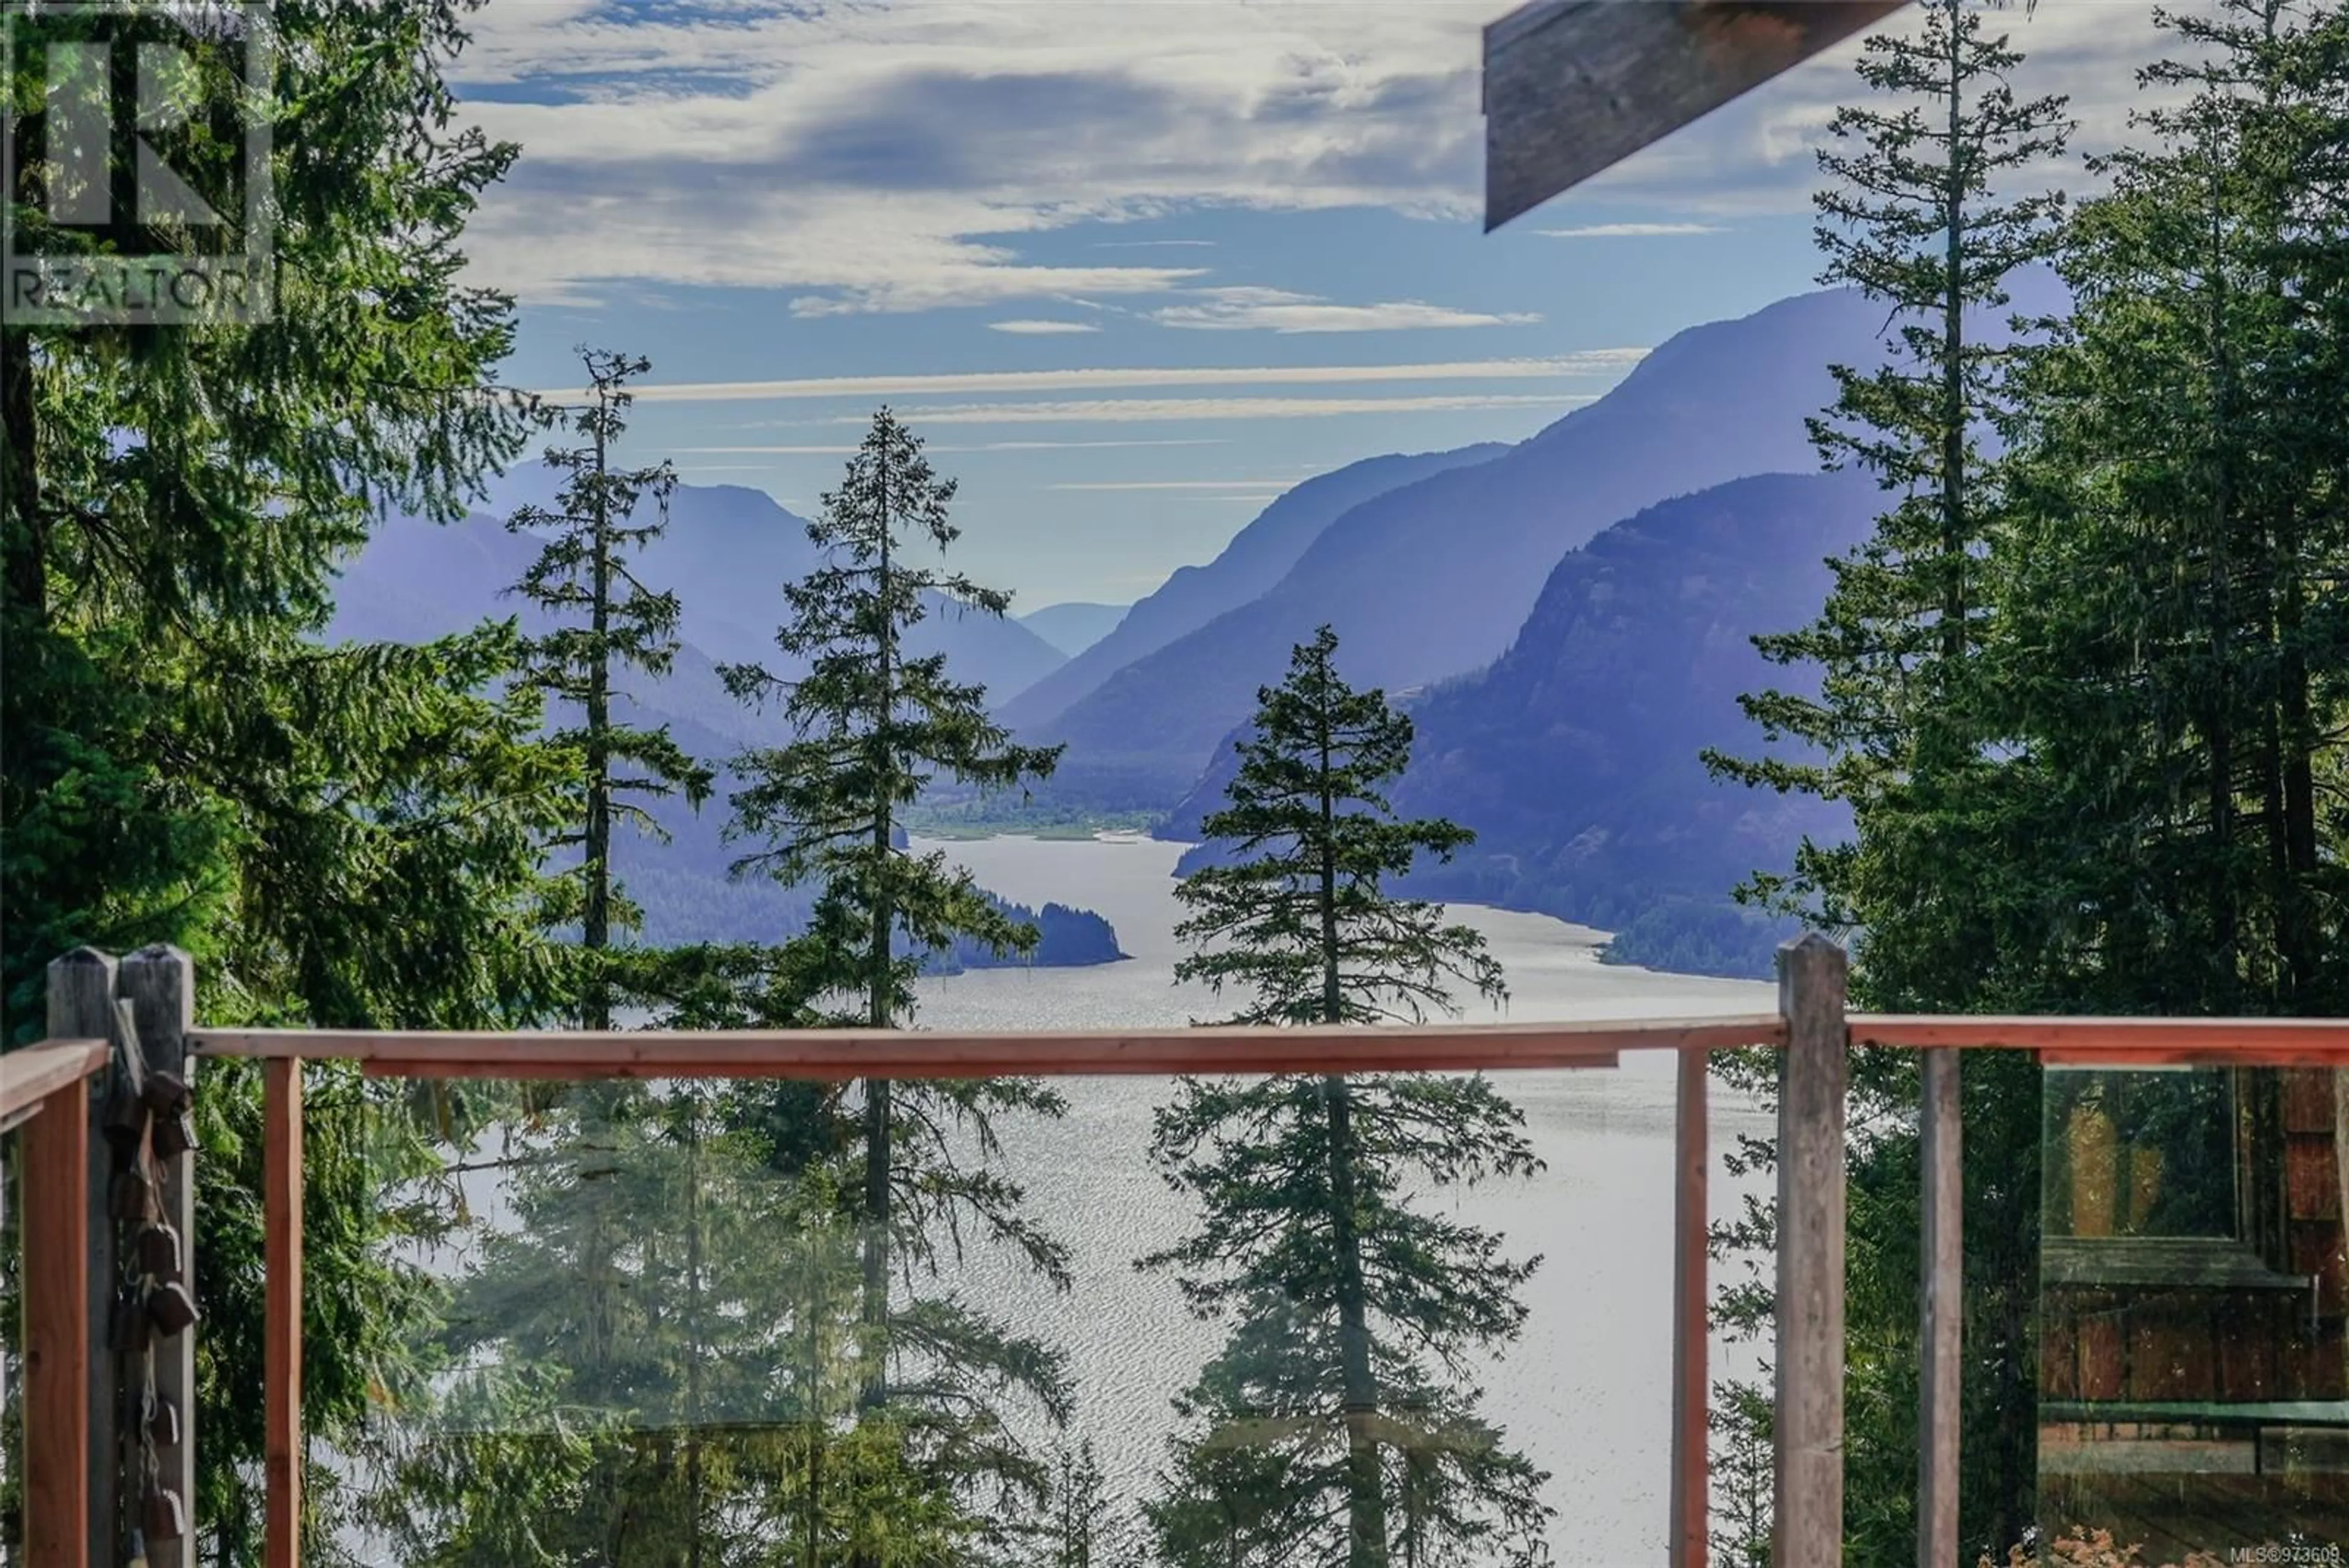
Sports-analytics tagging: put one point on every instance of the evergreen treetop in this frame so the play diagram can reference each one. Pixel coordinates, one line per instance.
(1338, 1424)
(1298, 920)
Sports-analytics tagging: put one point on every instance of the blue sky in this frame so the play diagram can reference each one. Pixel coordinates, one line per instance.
(1131, 268)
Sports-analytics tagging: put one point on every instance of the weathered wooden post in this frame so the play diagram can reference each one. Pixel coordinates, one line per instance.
(81, 1007)
(1941, 1306)
(1807, 1526)
(159, 983)
(1692, 1336)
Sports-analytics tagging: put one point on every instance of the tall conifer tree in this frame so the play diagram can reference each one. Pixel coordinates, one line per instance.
(609, 623)
(2176, 669)
(872, 724)
(348, 835)
(1915, 214)
(1339, 1428)
(1920, 212)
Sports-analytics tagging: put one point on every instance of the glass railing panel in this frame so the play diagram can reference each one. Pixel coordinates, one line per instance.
(635, 1323)
(2195, 1377)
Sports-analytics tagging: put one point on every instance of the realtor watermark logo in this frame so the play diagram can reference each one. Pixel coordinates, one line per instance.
(137, 193)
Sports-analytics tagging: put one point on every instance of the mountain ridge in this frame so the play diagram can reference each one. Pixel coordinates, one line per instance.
(1074, 625)
(1252, 562)
(1432, 579)
(1573, 757)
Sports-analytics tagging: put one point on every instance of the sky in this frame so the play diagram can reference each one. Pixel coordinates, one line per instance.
(1131, 268)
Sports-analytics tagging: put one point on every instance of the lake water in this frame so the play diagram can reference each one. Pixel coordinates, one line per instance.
(1584, 1392)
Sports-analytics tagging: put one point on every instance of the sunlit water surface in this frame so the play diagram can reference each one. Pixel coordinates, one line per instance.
(1583, 1392)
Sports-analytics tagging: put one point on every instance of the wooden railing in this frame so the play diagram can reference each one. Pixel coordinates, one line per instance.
(1812, 1026)
(45, 1090)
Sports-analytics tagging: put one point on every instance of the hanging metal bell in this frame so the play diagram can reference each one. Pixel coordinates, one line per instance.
(163, 1422)
(166, 1094)
(125, 1127)
(170, 1307)
(174, 1135)
(131, 1329)
(158, 1251)
(167, 1516)
(134, 1195)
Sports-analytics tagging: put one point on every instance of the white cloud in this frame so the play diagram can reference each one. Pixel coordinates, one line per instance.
(1596, 362)
(1630, 230)
(918, 155)
(1134, 409)
(901, 157)
(1042, 329)
(1280, 310)
(1259, 485)
(966, 447)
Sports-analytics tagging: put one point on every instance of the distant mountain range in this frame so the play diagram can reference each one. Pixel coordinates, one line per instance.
(1255, 560)
(1430, 573)
(1432, 577)
(1568, 619)
(727, 554)
(1073, 627)
(1574, 756)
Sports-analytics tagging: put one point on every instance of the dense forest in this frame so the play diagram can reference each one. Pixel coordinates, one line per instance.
(2085, 687)
(2079, 688)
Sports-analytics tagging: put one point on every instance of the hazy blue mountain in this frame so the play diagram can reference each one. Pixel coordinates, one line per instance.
(727, 554)
(1433, 579)
(420, 580)
(1072, 627)
(1574, 756)
(1257, 558)
(1639, 640)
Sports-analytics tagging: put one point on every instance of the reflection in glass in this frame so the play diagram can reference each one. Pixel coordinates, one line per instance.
(2140, 1153)
(2194, 1391)
(634, 1331)
(647, 1342)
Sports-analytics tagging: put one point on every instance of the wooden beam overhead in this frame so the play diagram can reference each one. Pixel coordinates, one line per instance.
(1573, 87)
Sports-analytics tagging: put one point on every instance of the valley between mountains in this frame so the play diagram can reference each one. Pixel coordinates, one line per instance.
(1567, 619)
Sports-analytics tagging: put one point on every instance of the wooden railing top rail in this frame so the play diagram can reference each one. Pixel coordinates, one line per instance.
(1452, 1047)
(973, 1054)
(32, 1075)
(2120, 1041)
(1811, 1025)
